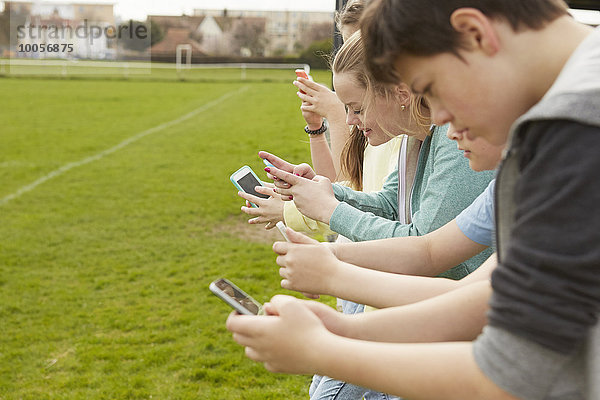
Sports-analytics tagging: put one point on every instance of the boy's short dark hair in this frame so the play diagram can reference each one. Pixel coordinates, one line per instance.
(391, 28)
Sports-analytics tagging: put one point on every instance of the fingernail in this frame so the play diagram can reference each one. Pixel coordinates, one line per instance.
(267, 169)
(291, 197)
(297, 174)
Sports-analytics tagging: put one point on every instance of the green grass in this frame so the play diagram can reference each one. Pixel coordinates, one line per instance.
(104, 270)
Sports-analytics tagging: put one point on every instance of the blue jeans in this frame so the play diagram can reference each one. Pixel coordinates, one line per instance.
(325, 388)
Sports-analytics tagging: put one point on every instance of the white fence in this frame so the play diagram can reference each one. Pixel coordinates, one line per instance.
(65, 68)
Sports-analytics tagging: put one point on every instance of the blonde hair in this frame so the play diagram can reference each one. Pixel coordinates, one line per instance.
(350, 60)
(350, 14)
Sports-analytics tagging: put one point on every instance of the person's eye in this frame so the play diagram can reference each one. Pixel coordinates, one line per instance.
(427, 90)
(355, 112)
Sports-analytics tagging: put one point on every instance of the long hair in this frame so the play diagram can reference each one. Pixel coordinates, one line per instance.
(350, 60)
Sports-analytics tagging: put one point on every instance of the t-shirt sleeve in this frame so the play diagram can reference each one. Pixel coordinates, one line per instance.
(477, 221)
(546, 286)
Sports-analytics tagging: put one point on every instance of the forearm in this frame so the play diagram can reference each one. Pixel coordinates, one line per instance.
(427, 255)
(384, 289)
(320, 153)
(408, 370)
(339, 133)
(454, 316)
(407, 255)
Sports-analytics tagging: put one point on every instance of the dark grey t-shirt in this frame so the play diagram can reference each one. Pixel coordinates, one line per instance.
(547, 288)
(543, 328)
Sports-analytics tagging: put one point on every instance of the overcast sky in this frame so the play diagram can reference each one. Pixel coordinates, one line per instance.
(138, 9)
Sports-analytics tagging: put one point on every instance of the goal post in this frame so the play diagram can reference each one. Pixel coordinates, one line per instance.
(188, 56)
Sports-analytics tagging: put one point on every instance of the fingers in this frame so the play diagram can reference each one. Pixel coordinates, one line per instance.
(283, 175)
(281, 184)
(308, 86)
(308, 107)
(305, 97)
(304, 170)
(270, 309)
(264, 190)
(270, 225)
(242, 325)
(281, 248)
(285, 193)
(249, 197)
(297, 237)
(276, 161)
(311, 296)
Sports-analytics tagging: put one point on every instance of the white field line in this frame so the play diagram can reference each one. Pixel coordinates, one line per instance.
(124, 143)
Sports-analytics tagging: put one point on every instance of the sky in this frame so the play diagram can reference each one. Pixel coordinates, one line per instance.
(139, 9)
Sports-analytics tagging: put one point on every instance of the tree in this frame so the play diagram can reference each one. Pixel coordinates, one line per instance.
(156, 32)
(249, 34)
(318, 53)
(317, 32)
(135, 35)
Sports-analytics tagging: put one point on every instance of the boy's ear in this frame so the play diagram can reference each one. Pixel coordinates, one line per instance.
(476, 29)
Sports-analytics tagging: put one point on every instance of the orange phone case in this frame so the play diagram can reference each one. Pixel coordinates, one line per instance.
(300, 73)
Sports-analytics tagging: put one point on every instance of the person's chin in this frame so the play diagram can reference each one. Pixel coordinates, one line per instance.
(477, 166)
(374, 141)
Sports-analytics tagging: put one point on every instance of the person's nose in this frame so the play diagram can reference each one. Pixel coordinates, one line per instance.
(352, 119)
(453, 134)
(439, 114)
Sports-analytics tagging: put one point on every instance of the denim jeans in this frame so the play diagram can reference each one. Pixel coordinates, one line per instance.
(325, 388)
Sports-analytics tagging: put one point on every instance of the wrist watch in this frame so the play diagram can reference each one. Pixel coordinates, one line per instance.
(319, 131)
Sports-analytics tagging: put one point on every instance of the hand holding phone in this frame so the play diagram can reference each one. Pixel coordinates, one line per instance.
(236, 297)
(246, 180)
(300, 73)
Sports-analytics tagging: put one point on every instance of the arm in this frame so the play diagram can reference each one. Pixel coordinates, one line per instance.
(319, 102)
(316, 198)
(444, 186)
(295, 340)
(427, 255)
(383, 289)
(307, 266)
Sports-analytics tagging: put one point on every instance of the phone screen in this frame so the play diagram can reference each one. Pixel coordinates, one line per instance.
(248, 182)
(242, 298)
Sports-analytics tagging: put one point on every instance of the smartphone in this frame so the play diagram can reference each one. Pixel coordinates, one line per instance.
(300, 73)
(239, 300)
(267, 163)
(246, 180)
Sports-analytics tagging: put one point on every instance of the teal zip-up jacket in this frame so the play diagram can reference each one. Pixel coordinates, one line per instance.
(444, 185)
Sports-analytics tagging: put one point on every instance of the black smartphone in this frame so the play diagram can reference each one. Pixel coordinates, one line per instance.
(236, 297)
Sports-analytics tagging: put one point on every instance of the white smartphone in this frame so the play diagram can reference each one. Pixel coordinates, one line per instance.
(246, 180)
(236, 297)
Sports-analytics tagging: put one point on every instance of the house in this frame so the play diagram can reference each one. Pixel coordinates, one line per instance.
(176, 36)
(284, 31)
(215, 35)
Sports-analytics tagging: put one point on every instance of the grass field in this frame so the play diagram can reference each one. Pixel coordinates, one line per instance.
(105, 265)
